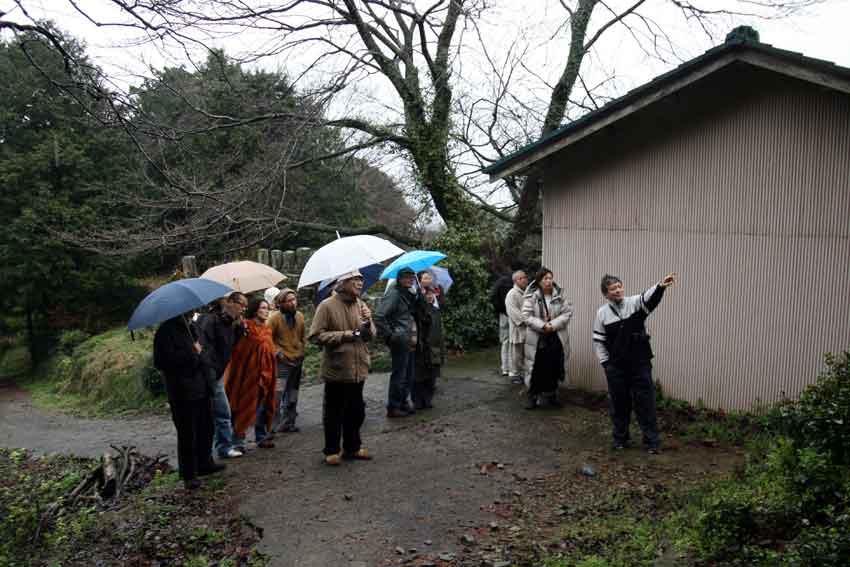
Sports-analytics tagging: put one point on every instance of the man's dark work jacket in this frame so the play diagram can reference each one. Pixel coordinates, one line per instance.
(186, 372)
(218, 336)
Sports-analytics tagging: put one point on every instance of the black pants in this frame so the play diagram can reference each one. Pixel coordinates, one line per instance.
(343, 413)
(632, 387)
(424, 385)
(193, 420)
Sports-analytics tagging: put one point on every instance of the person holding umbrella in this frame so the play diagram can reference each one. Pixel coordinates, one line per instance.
(343, 326)
(430, 351)
(185, 366)
(396, 322)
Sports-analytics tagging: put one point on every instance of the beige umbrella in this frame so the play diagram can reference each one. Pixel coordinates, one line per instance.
(245, 276)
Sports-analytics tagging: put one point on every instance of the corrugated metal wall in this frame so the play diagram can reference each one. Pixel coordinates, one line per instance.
(750, 204)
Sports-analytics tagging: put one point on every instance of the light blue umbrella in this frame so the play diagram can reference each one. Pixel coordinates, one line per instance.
(175, 298)
(442, 277)
(416, 260)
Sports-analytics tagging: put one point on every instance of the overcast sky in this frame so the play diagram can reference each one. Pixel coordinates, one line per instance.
(820, 31)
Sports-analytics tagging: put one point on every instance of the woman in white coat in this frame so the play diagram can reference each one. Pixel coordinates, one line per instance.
(547, 314)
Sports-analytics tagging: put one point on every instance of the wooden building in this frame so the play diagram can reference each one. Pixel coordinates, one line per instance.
(734, 171)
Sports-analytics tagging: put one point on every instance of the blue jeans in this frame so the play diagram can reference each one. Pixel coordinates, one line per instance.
(289, 382)
(402, 376)
(260, 428)
(223, 438)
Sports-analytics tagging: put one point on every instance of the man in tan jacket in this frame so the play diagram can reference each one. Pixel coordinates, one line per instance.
(289, 336)
(342, 326)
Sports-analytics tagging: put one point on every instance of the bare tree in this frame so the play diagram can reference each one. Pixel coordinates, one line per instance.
(411, 51)
(498, 124)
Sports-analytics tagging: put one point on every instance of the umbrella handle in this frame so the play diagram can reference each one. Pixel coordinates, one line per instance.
(189, 329)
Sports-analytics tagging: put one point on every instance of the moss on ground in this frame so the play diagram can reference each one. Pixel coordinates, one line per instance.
(107, 374)
(158, 523)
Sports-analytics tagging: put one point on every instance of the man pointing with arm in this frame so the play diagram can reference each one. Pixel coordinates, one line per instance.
(622, 346)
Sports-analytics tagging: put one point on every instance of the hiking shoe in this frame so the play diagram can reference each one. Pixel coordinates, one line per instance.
(266, 444)
(361, 455)
(395, 412)
(192, 484)
(333, 460)
(212, 469)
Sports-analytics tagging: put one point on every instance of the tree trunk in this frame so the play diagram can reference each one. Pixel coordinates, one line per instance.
(31, 340)
(528, 218)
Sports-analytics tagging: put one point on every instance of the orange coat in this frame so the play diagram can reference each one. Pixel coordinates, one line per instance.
(250, 377)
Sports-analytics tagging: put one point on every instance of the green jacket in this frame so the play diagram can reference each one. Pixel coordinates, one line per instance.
(394, 317)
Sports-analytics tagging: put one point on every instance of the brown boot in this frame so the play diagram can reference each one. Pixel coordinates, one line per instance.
(361, 455)
(333, 460)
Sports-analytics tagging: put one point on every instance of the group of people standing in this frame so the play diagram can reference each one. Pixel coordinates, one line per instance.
(409, 319)
(237, 366)
(240, 365)
(535, 345)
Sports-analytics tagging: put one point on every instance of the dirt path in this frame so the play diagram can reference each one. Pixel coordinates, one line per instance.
(438, 479)
(24, 425)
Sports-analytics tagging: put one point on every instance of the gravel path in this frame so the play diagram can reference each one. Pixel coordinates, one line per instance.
(436, 477)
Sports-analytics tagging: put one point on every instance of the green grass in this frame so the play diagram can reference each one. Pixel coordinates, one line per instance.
(107, 374)
(14, 363)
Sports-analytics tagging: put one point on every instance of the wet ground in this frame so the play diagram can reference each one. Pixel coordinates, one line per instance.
(440, 480)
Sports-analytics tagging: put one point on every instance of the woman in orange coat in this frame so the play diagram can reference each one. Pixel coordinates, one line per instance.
(249, 379)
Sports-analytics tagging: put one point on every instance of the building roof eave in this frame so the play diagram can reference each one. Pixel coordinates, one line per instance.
(761, 55)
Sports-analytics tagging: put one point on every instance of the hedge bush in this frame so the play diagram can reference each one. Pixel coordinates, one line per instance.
(791, 506)
(468, 320)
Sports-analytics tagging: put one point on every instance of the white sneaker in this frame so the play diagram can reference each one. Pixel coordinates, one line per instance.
(233, 454)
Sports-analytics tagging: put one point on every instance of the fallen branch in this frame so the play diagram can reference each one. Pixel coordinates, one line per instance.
(106, 483)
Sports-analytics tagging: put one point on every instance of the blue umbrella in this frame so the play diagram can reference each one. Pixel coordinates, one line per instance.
(370, 276)
(442, 277)
(175, 298)
(416, 260)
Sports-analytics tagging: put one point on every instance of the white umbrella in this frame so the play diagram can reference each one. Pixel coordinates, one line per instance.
(344, 255)
(245, 276)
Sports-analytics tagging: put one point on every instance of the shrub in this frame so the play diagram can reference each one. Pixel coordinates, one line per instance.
(821, 417)
(469, 320)
(71, 339)
(796, 497)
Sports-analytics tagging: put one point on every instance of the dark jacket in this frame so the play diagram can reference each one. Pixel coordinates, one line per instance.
(186, 372)
(431, 349)
(394, 317)
(218, 336)
(499, 292)
(619, 330)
